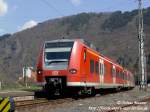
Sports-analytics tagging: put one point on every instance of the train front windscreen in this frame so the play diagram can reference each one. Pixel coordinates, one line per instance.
(57, 55)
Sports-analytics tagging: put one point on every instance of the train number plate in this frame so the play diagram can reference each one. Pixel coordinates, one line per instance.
(55, 72)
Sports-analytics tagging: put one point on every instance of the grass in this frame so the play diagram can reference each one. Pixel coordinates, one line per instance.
(31, 88)
(21, 88)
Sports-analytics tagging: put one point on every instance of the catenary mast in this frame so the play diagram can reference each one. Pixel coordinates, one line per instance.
(142, 58)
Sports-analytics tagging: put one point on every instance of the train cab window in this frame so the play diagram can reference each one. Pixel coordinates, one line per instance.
(96, 67)
(84, 55)
(91, 66)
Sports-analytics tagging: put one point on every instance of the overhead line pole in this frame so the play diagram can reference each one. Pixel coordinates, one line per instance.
(142, 58)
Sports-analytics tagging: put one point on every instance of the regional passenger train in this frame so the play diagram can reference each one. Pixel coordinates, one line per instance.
(75, 66)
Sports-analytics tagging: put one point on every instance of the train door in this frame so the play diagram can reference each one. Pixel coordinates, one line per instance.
(114, 74)
(101, 72)
(83, 72)
(84, 65)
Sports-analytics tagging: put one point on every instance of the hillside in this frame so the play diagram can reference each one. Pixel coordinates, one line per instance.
(114, 33)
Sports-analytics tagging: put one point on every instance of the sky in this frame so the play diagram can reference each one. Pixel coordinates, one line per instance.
(18, 15)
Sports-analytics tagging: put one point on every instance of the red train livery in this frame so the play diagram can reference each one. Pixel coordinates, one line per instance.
(74, 65)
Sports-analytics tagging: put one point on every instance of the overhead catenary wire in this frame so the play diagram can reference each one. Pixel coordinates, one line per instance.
(52, 7)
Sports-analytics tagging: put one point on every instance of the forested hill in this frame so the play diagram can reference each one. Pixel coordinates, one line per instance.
(114, 33)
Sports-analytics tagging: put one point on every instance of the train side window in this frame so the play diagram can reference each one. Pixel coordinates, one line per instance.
(96, 67)
(123, 75)
(105, 69)
(117, 73)
(84, 55)
(91, 66)
(101, 69)
(100, 66)
(113, 72)
(120, 74)
(129, 77)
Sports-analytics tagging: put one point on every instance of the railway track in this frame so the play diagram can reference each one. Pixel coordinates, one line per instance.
(116, 107)
(29, 101)
(139, 105)
(40, 102)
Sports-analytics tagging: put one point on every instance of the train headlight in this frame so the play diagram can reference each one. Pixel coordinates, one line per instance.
(73, 71)
(39, 72)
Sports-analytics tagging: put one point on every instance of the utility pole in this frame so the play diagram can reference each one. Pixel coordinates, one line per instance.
(0, 85)
(142, 58)
(25, 75)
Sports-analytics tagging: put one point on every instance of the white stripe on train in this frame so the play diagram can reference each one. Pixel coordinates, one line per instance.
(97, 85)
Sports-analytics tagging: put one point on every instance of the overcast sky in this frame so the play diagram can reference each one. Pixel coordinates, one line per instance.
(17, 15)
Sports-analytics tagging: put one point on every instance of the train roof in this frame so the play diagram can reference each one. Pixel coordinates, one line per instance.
(61, 40)
(72, 40)
(88, 44)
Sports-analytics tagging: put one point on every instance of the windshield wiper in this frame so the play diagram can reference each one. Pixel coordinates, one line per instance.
(57, 61)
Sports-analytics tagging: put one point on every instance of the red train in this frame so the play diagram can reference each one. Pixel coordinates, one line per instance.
(74, 65)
